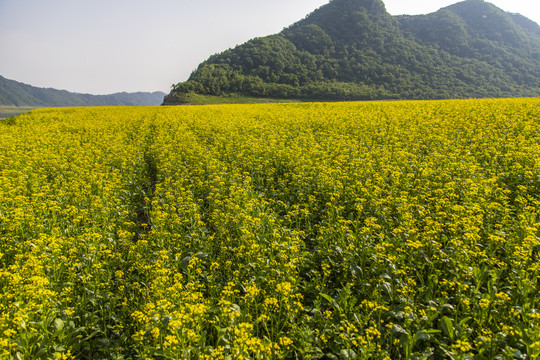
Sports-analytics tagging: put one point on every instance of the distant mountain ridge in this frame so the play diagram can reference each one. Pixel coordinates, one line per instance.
(354, 50)
(14, 93)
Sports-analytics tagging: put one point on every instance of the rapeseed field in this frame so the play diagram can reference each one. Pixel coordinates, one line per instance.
(378, 230)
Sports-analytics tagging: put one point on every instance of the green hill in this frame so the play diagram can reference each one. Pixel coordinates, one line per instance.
(355, 50)
(13, 93)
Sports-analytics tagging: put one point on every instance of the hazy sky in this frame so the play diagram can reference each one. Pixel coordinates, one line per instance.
(106, 46)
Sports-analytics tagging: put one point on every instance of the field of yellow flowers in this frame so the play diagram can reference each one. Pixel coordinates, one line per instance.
(377, 230)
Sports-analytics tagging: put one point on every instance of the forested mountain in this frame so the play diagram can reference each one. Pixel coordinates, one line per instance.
(354, 50)
(13, 93)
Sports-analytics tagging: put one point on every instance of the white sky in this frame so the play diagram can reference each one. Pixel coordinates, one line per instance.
(106, 46)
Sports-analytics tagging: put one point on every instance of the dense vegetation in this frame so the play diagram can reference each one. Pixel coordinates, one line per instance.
(389, 230)
(13, 93)
(355, 50)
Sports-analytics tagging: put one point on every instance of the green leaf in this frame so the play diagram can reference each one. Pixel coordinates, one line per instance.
(201, 255)
(58, 324)
(185, 262)
(356, 271)
(421, 336)
(404, 340)
(447, 326)
(348, 354)
(447, 308)
(428, 354)
(41, 352)
(398, 330)
(166, 320)
(385, 276)
(327, 298)
(464, 321)
(331, 300)
(388, 289)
